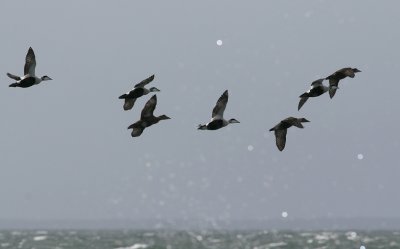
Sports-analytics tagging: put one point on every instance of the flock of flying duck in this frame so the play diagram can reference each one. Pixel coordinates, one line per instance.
(217, 121)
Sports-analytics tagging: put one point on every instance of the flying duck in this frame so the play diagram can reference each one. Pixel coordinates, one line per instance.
(339, 75)
(317, 89)
(217, 117)
(138, 91)
(146, 118)
(29, 79)
(281, 129)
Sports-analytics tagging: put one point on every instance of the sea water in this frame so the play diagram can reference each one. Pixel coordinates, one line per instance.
(168, 239)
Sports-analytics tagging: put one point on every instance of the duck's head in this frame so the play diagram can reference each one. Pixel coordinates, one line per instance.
(233, 121)
(45, 78)
(163, 117)
(303, 120)
(154, 89)
(355, 70)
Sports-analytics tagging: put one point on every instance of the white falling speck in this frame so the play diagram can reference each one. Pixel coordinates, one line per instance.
(285, 214)
(363, 247)
(219, 42)
(308, 14)
(250, 147)
(360, 156)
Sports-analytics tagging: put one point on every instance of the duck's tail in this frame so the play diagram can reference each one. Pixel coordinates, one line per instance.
(123, 96)
(13, 85)
(202, 127)
(14, 77)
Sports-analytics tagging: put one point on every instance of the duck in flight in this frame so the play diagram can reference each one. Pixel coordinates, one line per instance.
(217, 117)
(138, 91)
(29, 79)
(147, 118)
(339, 75)
(281, 129)
(317, 89)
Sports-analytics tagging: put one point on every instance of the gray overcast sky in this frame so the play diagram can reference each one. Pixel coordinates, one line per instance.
(66, 152)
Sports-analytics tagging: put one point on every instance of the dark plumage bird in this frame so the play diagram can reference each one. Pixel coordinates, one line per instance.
(317, 89)
(339, 75)
(138, 91)
(217, 117)
(281, 129)
(146, 118)
(29, 79)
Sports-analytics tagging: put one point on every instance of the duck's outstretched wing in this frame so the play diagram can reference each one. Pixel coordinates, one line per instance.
(30, 63)
(137, 128)
(137, 131)
(145, 82)
(148, 109)
(128, 104)
(333, 82)
(280, 136)
(302, 101)
(220, 106)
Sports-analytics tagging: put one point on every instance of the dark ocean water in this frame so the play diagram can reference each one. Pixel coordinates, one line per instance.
(207, 239)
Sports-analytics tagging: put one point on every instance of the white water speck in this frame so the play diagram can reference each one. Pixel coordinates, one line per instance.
(360, 156)
(219, 42)
(285, 214)
(250, 147)
(363, 247)
(39, 238)
(135, 246)
(277, 244)
(351, 235)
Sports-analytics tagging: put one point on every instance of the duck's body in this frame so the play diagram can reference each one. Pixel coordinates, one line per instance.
(217, 116)
(317, 89)
(214, 124)
(29, 79)
(281, 129)
(138, 91)
(146, 118)
(339, 75)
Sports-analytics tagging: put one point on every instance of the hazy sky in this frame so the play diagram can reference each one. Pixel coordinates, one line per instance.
(66, 153)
